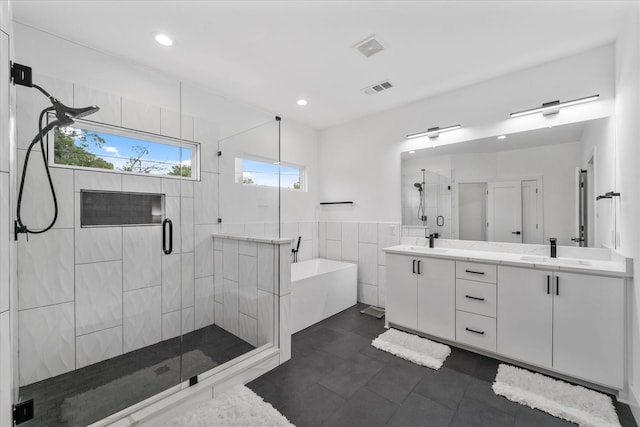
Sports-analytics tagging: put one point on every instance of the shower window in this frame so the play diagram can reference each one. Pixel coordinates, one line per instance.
(269, 173)
(114, 149)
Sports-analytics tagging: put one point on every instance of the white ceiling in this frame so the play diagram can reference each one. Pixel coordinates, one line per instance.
(270, 53)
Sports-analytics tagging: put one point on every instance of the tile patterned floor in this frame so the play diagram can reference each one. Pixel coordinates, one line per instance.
(336, 378)
(49, 395)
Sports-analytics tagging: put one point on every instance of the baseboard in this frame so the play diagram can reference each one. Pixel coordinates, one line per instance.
(634, 403)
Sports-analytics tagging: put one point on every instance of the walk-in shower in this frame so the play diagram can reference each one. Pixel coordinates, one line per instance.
(421, 190)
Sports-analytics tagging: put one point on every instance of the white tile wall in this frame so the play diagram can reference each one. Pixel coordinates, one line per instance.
(142, 255)
(47, 342)
(142, 318)
(172, 212)
(219, 277)
(334, 230)
(6, 367)
(98, 296)
(204, 303)
(98, 244)
(171, 187)
(90, 180)
(230, 259)
(255, 229)
(285, 269)
(45, 268)
(334, 249)
(350, 241)
(204, 250)
(98, 346)
(285, 328)
(140, 116)
(247, 248)
(186, 187)
(187, 128)
(188, 321)
(368, 294)
(368, 232)
(218, 313)
(171, 288)
(248, 329)
(188, 280)
(169, 123)
(110, 104)
(141, 184)
(4, 239)
(187, 224)
(266, 267)
(266, 308)
(171, 324)
(368, 263)
(206, 199)
(248, 285)
(230, 306)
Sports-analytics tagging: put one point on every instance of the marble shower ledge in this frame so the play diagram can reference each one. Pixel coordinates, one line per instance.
(614, 266)
(278, 241)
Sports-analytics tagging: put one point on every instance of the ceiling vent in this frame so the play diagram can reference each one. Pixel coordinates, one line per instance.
(369, 46)
(378, 87)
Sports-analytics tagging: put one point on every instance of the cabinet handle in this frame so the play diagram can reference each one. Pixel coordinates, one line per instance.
(548, 284)
(557, 285)
(475, 298)
(475, 332)
(414, 266)
(166, 222)
(474, 272)
(419, 266)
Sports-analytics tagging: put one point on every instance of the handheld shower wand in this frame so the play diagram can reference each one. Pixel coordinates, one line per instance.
(64, 116)
(421, 186)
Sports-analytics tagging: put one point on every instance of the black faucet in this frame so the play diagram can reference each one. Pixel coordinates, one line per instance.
(553, 241)
(432, 237)
(295, 251)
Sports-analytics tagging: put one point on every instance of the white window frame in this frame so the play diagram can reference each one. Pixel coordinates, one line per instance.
(302, 168)
(129, 133)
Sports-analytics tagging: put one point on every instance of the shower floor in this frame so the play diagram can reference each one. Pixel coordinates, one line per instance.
(91, 393)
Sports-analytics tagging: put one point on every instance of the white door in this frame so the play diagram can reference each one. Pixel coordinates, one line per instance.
(588, 328)
(524, 315)
(531, 223)
(505, 211)
(401, 301)
(472, 211)
(437, 297)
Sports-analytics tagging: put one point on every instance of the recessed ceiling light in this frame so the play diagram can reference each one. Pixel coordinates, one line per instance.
(412, 152)
(164, 39)
(302, 102)
(502, 137)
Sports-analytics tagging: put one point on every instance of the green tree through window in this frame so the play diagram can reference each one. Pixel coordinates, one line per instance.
(71, 148)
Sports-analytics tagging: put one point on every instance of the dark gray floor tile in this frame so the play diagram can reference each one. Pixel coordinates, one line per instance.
(462, 361)
(311, 407)
(529, 417)
(625, 415)
(396, 380)
(370, 330)
(486, 368)
(473, 413)
(349, 375)
(379, 355)
(420, 411)
(444, 386)
(346, 345)
(317, 339)
(363, 409)
(481, 391)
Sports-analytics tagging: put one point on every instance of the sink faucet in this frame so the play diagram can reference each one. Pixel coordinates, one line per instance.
(552, 241)
(432, 237)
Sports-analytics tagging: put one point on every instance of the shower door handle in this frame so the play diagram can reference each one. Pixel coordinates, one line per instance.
(166, 222)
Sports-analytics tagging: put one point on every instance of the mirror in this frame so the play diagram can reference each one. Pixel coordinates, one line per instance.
(523, 187)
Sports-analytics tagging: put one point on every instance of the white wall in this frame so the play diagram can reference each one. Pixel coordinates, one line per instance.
(628, 175)
(360, 160)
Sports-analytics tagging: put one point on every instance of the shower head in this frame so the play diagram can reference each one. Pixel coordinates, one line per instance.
(67, 114)
(418, 186)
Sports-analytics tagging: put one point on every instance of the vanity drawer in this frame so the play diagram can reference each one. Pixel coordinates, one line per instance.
(476, 297)
(476, 330)
(476, 271)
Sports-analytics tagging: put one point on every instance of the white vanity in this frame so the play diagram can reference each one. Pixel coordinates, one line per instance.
(564, 314)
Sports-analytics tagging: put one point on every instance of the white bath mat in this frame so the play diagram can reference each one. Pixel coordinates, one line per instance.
(413, 348)
(236, 407)
(558, 398)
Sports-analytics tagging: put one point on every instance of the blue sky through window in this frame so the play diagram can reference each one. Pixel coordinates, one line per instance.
(264, 173)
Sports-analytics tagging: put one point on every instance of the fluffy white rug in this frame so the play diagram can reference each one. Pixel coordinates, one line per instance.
(558, 398)
(413, 348)
(236, 407)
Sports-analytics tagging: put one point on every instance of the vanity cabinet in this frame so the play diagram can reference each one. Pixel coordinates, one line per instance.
(422, 295)
(571, 323)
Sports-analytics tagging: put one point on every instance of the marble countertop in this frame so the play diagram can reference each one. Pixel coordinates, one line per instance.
(275, 241)
(615, 266)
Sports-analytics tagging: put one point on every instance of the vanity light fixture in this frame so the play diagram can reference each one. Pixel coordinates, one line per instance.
(554, 106)
(302, 102)
(163, 39)
(433, 132)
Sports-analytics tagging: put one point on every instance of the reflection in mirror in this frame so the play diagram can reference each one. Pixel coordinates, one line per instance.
(520, 188)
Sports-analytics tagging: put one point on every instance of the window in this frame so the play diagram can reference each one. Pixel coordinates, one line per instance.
(265, 173)
(110, 148)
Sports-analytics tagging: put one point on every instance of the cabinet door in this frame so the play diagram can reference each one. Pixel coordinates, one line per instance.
(437, 297)
(401, 306)
(588, 328)
(524, 315)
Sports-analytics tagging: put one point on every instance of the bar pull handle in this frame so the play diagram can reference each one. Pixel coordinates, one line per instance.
(557, 285)
(515, 232)
(474, 272)
(475, 298)
(548, 284)
(414, 266)
(419, 267)
(474, 331)
(166, 222)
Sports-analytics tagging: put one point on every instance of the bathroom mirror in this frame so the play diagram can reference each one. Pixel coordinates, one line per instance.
(520, 188)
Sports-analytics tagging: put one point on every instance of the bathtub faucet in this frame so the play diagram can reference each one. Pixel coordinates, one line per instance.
(295, 251)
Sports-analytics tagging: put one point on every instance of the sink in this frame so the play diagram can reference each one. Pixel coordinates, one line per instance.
(428, 250)
(562, 261)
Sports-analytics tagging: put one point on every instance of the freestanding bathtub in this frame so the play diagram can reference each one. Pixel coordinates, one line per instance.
(321, 288)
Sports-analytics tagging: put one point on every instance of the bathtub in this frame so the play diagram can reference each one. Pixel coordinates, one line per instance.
(321, 288)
